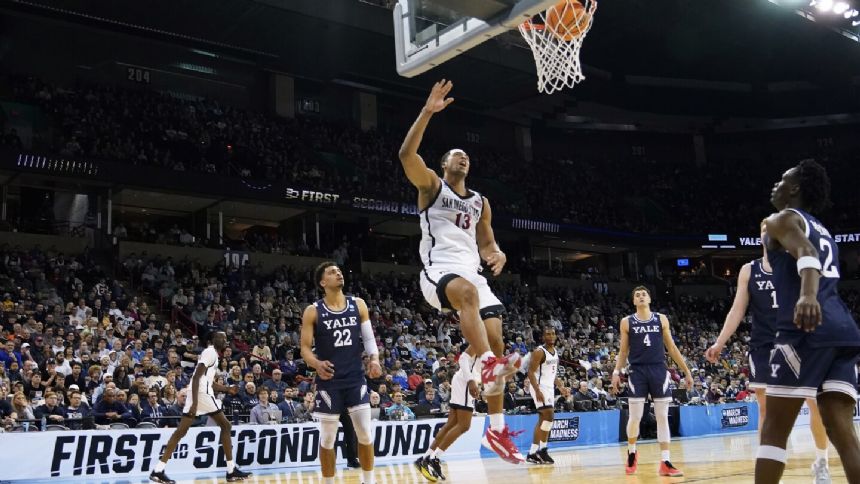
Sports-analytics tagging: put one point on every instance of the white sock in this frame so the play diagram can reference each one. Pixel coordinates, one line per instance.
(821, 454)
(328, 480)
(631, 448)
(231, 466)
(429, 452)
(439, 452)
(367, 477)
(664, 456)
(497, 421)
(533, 449)
(542, 445)
(160, 466)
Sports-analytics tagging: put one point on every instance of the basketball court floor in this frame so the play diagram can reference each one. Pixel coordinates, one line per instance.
(723, 459)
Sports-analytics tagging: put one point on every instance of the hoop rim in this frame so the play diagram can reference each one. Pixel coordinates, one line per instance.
(529, 25)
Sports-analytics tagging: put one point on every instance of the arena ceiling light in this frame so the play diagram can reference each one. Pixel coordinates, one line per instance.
(822, 6)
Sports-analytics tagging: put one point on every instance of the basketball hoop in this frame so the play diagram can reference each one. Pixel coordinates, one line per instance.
(555, 37)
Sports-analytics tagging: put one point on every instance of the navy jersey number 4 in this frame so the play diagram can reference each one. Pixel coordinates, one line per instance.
(837, 325)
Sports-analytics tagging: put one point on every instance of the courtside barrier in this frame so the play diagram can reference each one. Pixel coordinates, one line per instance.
(134, 452)
(568, 429)
(718, 419)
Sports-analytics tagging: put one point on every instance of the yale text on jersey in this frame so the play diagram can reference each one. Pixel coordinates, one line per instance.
(651, 328)
(340, 322)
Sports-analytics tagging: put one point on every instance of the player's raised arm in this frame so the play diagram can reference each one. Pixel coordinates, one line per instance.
(486, 240)
(416, 170)
(324, 369)
(673, 350)
(735, 315)
(623, 350)
(789, 230)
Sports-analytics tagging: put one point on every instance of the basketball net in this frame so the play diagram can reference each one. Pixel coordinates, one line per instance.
(555, 37)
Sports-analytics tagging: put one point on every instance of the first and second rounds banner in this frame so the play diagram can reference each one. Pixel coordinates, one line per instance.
(47, 455)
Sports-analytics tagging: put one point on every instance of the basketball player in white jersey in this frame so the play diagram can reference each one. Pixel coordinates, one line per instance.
(456, 235)
(646, 337)
(543, 367)
(201, 401)
(464, 391)
(757, 293)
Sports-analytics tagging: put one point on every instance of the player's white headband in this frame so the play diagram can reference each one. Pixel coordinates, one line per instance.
(457, 150)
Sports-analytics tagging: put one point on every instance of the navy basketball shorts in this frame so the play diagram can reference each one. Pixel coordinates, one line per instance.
(802, 371)
(759, 359)
(330, 403)
(653, 380)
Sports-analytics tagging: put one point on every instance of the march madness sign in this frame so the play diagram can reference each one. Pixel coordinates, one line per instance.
(735, 417)
(135, 452)
(564, 430)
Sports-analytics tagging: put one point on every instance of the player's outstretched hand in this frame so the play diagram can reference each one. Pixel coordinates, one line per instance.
(325, 370)
(713, 353)
(689, 379)
(374, 369)
(496, 262)
(616, 383)
(807, 313)
(437, 101)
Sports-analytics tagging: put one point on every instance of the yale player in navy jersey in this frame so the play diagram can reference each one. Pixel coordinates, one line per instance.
(645, 337)
(756, 291)
(456, 235)
(339, 328)
(817, 340)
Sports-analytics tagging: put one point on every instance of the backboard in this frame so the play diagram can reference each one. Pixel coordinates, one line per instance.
(430, 32)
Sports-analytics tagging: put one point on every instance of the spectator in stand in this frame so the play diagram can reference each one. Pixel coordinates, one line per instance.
(34, 388)
(261, 352)
(398, 410)
(6, 420)
(289, 366)
(78, 413)
(304, 412)
(428, 385)
(109, 410)
(430, 398)
(235, 375)
(264, 412)
(510, 401)
(416, 379)
(174, 411)
(715, 395)
(132, 403)
(50, 410)
(565, 402)
(76, 377)
(288, 405)
(235, 406)
(276, 383)
(152, 410)
(8, 353)
(22, 409)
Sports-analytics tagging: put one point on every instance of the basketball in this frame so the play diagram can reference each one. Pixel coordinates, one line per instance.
(567, 19)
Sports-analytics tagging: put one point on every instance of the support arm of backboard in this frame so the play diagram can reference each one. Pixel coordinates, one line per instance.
(414, 59)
